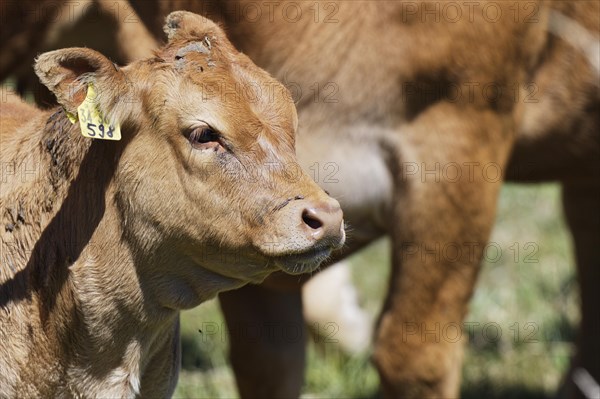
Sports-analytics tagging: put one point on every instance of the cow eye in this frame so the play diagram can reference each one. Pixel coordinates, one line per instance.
(203, 135)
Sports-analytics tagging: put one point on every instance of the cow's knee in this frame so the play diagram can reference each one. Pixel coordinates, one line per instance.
(416, 360)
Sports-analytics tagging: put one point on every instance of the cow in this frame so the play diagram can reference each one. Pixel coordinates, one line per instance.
(104, 242)
(389, 94)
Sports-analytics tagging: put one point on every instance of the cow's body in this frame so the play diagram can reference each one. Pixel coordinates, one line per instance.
(407, 111)
(104, 242)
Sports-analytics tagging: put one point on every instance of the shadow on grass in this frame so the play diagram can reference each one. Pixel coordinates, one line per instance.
(193, 357)
(487, 390)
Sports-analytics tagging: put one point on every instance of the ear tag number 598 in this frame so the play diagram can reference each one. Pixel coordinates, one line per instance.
(93, 124)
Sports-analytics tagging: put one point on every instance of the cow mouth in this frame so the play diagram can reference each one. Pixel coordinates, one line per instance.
(304, 262)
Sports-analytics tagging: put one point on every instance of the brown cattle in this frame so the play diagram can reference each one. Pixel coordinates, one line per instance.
(104, 242)
(390, 91)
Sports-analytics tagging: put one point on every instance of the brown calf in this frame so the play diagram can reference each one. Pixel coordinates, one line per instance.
(104, 242)
(380, 85)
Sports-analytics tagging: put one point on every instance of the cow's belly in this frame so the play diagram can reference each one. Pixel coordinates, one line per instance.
(353, 171)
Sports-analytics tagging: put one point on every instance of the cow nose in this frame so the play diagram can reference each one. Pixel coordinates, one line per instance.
(324, 223)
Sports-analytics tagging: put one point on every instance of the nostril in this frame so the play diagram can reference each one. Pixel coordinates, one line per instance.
(311, 220)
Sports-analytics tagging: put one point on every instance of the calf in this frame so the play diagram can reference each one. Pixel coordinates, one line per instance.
(104, 242)
(405, 103)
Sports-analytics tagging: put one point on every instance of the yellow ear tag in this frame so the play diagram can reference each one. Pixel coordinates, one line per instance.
(72, 118)
(93, 124)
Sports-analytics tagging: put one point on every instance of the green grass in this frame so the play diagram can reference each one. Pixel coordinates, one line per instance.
(533, 290)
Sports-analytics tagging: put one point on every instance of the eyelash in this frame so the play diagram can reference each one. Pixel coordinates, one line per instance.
(203, 135)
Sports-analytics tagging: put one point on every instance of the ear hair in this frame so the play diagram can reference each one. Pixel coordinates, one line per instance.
(67, 73)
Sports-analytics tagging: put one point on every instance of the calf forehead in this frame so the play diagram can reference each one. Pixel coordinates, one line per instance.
(267, 97)
(219, 79)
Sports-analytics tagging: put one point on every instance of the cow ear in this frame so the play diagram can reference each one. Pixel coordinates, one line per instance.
(187, 25)
(68, 72)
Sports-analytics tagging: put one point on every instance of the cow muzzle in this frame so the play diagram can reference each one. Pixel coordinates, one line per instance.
(305, 234)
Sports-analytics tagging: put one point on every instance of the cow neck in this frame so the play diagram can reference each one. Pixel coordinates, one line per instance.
(79, 172)
(35, 214)
(66, 149)
(66, 258)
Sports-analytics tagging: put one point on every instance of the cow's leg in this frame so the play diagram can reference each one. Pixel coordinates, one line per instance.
(331, 297)
(269, 364)
(267, 339)
(583, 216)
(446, 191)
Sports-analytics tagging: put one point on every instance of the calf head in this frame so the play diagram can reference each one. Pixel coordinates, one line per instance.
(207, 177)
